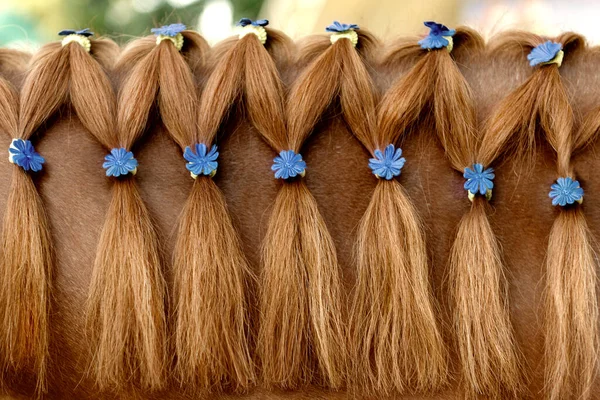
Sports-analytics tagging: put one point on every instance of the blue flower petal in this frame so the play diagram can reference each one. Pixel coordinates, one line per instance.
(288, 165)
(201, 162)
(119, 162)
(248, 21)
(83, 32)
(387, 163)
(435, 39)
(23, 154)
(337, 26)
(478, 179)
(543, 53)
(169, 30)
(565, 191)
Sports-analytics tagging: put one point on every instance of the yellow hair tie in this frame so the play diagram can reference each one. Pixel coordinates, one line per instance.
(82, 40)
(259, 31)
(177, 40)
(450, 46)
(351, 35)
(558, 59)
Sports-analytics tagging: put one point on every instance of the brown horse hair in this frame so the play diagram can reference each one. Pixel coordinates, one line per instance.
(211, 335)
(394, 340)
(300, 338)
(25, 257)
(26, 241)
(125, 305)
(483, 334)
(541, 103)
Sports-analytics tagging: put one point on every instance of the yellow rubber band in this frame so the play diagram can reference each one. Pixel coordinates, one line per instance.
(558, 59)
(349, 34)
(488, 195)
(259, 31)
(82, 40)
(177, 40)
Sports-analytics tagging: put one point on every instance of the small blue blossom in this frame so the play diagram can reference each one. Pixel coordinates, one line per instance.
(22, 153)
(288, 164)
(169, 30)
(84, 32)
(199, 161)
(248, 21)
(120, 162)
(340, 27)
(436, 39)
(388, 163)
(478, 179)
(565, 191)
(543, 53)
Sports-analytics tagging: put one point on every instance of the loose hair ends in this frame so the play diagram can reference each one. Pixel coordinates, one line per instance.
(211, 295)
(396, 342)
(301, 332)
(26, 272)
(481, 320)
(571, 309)
(126, 310)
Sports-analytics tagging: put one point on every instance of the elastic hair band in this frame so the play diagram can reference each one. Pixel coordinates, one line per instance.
(81, 37)
(546, 53)
(22, 153)
(170, 32)
(343, 31)
(254, 27)
(439, 36)
(479, 181)
(566, 191)
(120, 162)
(201, 162)
(288, 164)
(388, 163)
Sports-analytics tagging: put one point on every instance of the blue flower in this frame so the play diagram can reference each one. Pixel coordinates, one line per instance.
(478, 179)
(120, 162)
(543, 53)
(169, 30)
(339, 27)
(388, 163)
(248, 21)
(84, 32)
(288, 164)
(436, 39)
(22, 153)
(566, 191)
(199, 161)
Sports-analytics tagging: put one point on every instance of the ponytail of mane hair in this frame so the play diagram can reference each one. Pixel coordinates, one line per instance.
(125, 316)
(25, 260)
(300, 338)
(394, 339)
(541, 103)
(211, 334)
(483, 333)
(26, 239)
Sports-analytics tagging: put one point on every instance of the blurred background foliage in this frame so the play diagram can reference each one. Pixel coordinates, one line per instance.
(27, 24)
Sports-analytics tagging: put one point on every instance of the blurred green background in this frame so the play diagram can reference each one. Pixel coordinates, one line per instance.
(27, 24)
(30, 22)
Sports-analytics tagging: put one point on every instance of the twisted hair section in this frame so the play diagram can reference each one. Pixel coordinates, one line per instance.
(483, 334)
(300, 338)
(211, 274)
(394, 339)
(25, 255)
(541, 104)
(125, 310)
